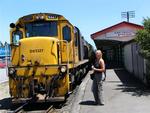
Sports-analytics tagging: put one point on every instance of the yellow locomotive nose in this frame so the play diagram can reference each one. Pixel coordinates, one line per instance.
(38, 51)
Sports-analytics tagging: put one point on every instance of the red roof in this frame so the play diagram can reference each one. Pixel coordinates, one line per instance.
(109, 29)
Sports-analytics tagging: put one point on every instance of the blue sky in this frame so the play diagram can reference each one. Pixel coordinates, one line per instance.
(88, 15)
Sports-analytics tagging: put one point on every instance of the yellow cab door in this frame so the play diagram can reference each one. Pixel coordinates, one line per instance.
(67, 43)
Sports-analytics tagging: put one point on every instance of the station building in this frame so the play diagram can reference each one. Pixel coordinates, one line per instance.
(115, 42)
(4, 54)
(4, 50)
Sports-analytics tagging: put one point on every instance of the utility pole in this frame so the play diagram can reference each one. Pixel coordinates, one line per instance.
(128, 15)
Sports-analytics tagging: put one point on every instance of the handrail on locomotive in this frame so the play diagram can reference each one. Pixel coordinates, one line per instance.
(59, 43)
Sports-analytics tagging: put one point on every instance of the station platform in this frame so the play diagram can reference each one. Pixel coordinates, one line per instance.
(122, 94)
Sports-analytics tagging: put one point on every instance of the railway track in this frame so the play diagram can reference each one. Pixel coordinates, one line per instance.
(29, 108)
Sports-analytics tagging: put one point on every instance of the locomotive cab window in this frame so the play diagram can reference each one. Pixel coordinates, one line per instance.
(67, 33)
(16, 36)
(41, 28)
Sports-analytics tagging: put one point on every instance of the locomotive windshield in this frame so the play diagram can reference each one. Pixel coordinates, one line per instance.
(41, 29)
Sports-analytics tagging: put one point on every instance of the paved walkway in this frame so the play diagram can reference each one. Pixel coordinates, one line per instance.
(4, 90)
(122, 94)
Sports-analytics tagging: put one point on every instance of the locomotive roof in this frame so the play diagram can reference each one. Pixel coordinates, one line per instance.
(29, 18)
(60, 17)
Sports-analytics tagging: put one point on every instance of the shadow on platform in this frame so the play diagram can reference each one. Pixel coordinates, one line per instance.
(5, 104)
(88, 102)
(131, 84)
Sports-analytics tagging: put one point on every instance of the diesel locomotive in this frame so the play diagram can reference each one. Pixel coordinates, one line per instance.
(48, 57)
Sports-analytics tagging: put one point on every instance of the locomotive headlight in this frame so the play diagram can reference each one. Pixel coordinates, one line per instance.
(37, 17)
(11, 71)
(63, 69)
(41, 17)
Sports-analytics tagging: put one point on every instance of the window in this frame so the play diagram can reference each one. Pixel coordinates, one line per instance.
(41, 29)
(17, 35)
(67, 33)
(76, 39)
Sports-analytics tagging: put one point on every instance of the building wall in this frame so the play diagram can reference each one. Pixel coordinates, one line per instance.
(134, 63)
(128, 58)
(120, 32)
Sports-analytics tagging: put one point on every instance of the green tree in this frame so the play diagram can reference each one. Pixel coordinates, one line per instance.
(143, 39)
